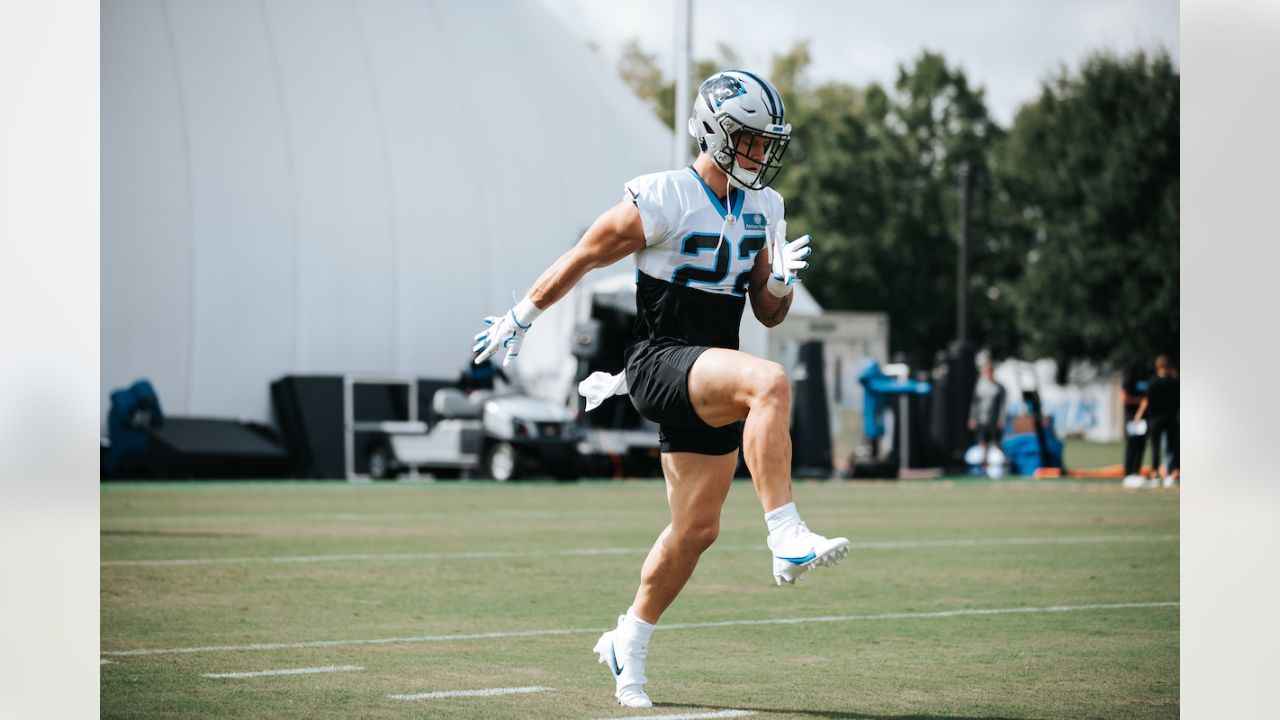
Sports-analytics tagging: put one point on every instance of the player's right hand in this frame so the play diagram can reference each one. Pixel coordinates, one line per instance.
(505, 332)
(787, 258)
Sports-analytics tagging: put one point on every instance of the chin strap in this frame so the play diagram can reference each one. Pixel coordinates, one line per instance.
(729, 218)
(768, 246)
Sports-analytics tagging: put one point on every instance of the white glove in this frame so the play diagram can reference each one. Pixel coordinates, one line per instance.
(601, 386)
(506, 332)
(786, 258)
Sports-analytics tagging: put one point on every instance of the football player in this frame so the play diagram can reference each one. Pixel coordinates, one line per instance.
(705, 239)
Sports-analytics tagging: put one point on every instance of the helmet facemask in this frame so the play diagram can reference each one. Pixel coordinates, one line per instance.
(753, 157)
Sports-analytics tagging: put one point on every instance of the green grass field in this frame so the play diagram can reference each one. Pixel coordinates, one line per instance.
(1078, 454)
(961, 599)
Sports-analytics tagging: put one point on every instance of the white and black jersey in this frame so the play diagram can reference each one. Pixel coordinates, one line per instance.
(690, 285)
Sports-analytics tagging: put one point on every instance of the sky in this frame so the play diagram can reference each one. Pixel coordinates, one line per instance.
(1007, 47)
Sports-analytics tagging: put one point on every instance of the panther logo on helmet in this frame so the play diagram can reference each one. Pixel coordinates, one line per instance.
(739, 120)
(722, 88)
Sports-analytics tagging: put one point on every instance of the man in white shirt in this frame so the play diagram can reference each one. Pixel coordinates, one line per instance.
(986, 412)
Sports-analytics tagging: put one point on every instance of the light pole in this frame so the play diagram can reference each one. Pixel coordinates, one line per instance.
(683, 52)
(962, 267)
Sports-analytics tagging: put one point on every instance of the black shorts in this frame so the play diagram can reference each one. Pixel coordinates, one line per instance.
(989, 433)
(658, 382)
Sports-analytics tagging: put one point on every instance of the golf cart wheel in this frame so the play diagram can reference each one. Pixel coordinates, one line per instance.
(500, 462)
(382, 462)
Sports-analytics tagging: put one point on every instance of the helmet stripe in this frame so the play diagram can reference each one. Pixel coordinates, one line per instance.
(770, 96)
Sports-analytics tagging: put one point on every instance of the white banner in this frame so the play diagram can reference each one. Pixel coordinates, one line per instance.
(1088, 405)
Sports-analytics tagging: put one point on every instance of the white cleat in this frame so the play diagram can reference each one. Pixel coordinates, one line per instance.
(797, 551)
(627, 666)
(1133, 482)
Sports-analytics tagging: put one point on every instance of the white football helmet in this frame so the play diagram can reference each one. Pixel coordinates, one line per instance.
(739, 121)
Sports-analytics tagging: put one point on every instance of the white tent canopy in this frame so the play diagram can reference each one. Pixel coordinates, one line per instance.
(319, 186)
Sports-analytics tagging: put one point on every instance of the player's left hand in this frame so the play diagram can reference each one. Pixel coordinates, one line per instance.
(788, 259)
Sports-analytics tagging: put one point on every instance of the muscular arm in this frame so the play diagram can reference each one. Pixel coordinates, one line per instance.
(617, 233)
(769, 309)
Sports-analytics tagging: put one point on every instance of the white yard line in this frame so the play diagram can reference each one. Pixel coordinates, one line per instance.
(348, 517)
(675, 626)
(279, 517)
(487, 692)
(987, 542)
(290, 671)
(475, 555)
(345, 643)
(691, 716)
(508, 554)
(919, 615)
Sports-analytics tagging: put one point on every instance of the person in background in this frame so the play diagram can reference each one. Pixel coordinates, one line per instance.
(480, 376)
(1132, 392)
(986, 412)
(1160, 407)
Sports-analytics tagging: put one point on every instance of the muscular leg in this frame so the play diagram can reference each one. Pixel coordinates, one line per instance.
(696, 489)
(726, 386)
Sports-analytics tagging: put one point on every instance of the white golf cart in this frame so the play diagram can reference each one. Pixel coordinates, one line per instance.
(501, 436)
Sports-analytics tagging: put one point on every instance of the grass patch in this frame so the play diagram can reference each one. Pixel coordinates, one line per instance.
(1080, 454)
(920, 548)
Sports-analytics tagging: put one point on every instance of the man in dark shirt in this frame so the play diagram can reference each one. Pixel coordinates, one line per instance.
(481, 376)
(1133, 391)
(1160, 407)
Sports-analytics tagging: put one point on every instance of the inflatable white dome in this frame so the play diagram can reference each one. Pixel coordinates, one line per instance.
(325, 186)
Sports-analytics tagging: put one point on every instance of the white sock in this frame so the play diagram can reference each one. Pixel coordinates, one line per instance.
(782, 518)
(633, 630)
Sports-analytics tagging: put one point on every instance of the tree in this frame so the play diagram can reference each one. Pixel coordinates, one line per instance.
(1090, 177)
(1074, 221)
(640, 70)
(873, 175)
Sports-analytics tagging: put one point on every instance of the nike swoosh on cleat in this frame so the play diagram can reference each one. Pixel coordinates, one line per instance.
(614, 652)
(801, 560)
